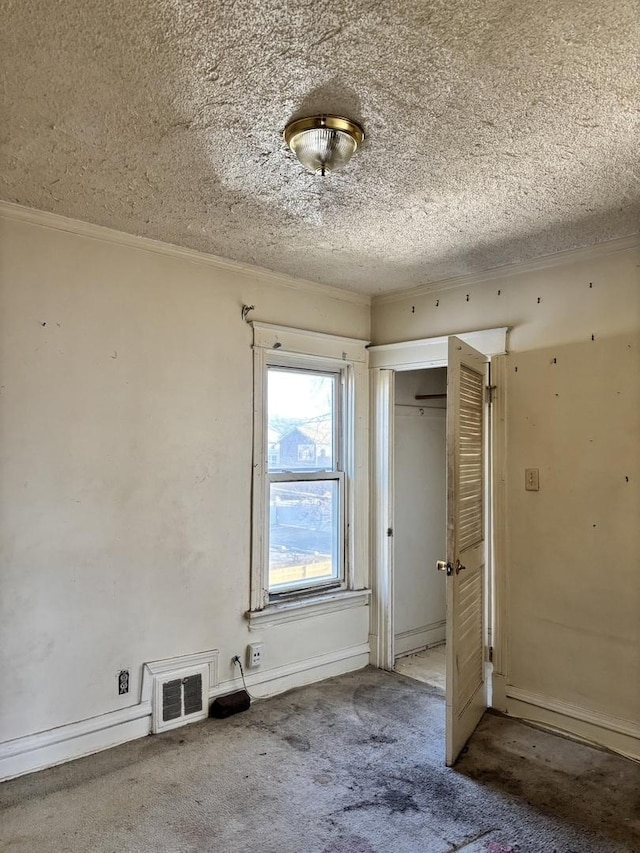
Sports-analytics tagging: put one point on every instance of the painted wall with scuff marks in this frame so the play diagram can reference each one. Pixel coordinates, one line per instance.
(419, 510)
(126, 454)
(573, 411)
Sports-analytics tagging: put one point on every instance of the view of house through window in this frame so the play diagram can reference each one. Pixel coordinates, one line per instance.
(305, 480)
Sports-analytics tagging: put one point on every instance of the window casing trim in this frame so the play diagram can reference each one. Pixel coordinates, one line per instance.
(317, 605)
(328, 353)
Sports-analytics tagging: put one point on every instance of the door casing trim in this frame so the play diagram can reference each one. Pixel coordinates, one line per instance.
(385, 361)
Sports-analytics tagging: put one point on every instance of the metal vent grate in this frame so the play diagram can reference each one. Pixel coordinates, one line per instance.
(172, 699)
(192, 694)
(180, 696)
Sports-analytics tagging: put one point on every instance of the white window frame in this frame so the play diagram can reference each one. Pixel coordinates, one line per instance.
(280, 346)
(335, 474)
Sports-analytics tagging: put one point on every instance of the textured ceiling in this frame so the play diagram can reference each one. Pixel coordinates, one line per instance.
(496, 131)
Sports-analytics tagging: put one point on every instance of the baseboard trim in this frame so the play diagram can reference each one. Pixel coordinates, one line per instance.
(618, 735)
(407, 642)
(498, 699)
(281, 678)
(65, 743)
(76, 740)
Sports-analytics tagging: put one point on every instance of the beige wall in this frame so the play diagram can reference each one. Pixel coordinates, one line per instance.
(126, 440)
(125, 469)
(419, 510)
(573, 411)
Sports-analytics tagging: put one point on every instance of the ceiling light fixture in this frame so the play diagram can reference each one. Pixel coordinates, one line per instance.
(323, 143)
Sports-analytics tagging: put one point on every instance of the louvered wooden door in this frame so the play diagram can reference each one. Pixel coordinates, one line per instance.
(466, 693)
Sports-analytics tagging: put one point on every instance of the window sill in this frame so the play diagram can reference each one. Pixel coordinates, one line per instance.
(304, 608)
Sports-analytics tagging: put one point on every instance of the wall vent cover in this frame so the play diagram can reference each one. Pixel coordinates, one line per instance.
(180, 697)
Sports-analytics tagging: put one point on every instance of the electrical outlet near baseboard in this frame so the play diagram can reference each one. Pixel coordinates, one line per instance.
(254, 655)
(123, 682)
(532, 479)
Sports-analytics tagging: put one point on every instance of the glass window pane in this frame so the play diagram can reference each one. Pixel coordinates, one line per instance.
(301, 417)
(304, 533)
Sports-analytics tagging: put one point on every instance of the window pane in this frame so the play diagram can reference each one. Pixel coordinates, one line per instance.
(303, 533)
(301, 416)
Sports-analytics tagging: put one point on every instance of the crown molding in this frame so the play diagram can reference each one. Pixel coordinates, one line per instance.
(586, 253)
(44, 219)
(55, 221)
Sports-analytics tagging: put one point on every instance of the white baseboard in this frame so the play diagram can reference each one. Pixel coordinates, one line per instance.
(419, 638)
(76, 740)
(56, 746)
(613, 733)
(498, 698)
(270, 682)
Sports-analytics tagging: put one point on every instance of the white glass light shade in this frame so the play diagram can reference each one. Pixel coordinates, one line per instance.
(323, 144)
(323, 150)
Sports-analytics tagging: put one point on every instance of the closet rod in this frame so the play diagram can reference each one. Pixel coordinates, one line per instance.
(431, 396)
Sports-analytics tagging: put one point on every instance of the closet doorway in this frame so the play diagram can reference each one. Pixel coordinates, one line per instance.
(473, 562)
(419, 540)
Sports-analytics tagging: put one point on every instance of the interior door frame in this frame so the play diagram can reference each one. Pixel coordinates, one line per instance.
(384, 361)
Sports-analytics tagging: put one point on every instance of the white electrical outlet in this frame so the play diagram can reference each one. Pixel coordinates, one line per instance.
(532, 479)
(254, 655)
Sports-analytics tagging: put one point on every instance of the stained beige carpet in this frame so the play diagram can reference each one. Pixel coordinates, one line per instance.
(350, 765)
(427, 666)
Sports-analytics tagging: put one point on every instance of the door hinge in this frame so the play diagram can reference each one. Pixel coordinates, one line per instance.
(389, 531)
(490, 654)
(489, 393)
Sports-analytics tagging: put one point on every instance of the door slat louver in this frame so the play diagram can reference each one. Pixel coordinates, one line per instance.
(470, 480)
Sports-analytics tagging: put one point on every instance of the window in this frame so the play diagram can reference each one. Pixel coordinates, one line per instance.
(310, 499)
(306, 484)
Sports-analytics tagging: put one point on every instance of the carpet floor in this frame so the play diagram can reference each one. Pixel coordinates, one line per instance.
(350, 765)
(428, 665)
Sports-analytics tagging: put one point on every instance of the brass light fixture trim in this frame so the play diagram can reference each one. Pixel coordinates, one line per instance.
(323, 143)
